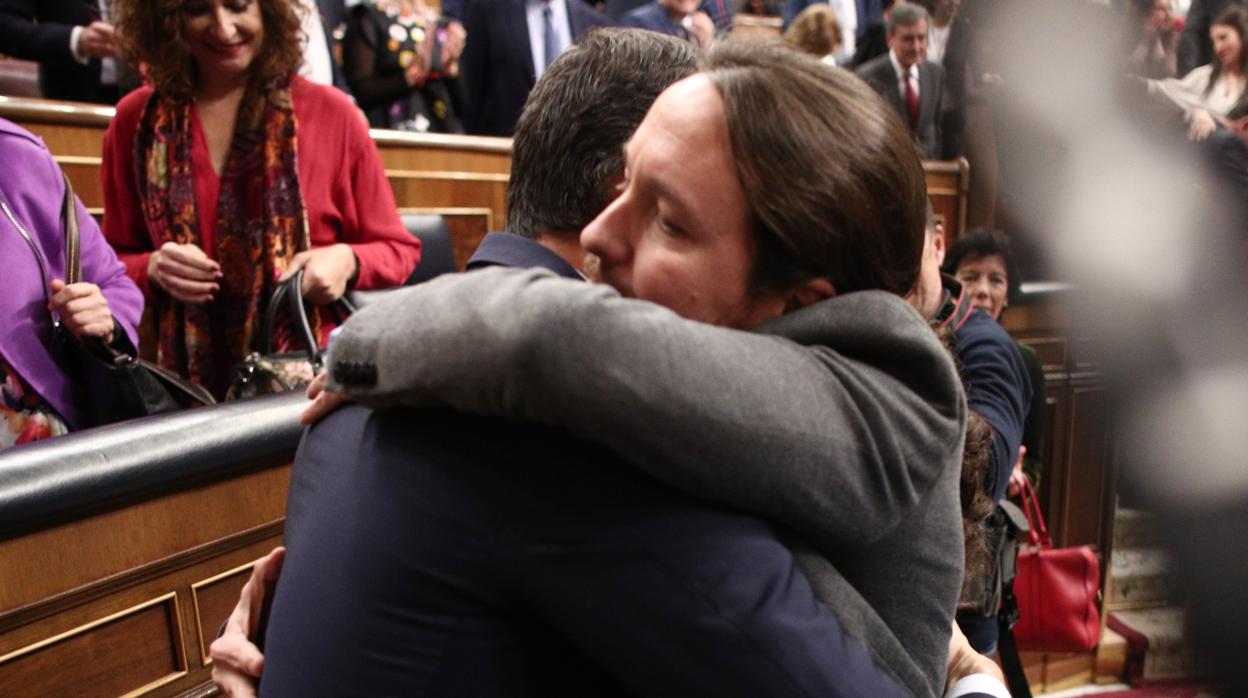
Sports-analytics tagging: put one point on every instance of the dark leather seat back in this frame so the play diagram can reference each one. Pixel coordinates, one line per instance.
(437, 257)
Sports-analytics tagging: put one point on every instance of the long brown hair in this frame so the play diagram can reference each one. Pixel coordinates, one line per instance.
(833, 178)
(151, 36)
(1236, 18)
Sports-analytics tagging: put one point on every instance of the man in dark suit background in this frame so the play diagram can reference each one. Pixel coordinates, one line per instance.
(77, 52)
(949, 45)
(321, 20)
(913, 85)
(509, 46)
(679, 18)
(720, 11)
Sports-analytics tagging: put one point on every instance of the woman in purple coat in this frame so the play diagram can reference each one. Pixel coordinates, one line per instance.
(37, 399)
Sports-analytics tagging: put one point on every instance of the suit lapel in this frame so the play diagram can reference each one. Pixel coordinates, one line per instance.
(887, 77)
(927, 96)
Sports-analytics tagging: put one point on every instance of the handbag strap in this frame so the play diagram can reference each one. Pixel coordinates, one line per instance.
(1007, 648)
(1039, 533)
(69, 218)
(289, 292)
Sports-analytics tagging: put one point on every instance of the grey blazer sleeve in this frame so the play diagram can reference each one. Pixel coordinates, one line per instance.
(838, 441)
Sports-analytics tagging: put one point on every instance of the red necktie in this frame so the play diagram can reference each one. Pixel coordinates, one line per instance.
(912, 101)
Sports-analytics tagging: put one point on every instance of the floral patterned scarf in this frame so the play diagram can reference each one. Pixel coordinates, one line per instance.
(261, 224)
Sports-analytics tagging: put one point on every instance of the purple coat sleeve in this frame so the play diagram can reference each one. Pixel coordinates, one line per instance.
(32, 189)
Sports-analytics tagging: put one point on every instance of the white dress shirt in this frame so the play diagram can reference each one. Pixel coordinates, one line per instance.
(937, 40)
(978, 683)
(847, 17)
(317, 65)
(537, 37)
(108, 66)
(914, 76)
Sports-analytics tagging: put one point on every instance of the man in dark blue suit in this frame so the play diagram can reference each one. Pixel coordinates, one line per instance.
(76, 50)
(510, 43)
(679, 18)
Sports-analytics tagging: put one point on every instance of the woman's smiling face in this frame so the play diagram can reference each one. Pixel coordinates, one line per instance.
(224, 36)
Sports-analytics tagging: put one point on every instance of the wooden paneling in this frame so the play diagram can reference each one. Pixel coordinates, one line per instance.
(1087, 483)
(131, 652)
(753, 27)
(84, 175)
(948, 185)
(213, 599)
(59, 559)
(427, 189)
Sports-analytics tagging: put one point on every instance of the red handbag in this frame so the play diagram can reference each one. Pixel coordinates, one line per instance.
(1057, 590)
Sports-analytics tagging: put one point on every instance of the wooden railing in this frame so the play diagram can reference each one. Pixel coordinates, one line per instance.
(124, 547)
(464, 178)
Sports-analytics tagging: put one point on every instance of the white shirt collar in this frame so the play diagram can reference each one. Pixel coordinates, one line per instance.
(914, 69)
(558, 18)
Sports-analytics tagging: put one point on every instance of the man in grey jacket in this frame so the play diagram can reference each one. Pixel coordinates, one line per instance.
(867, 472)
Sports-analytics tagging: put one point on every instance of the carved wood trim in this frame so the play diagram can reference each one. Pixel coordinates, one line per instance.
(204, 690)
(408, 139)
(452, 176)
(170, 600)
(50, 111)
(195, 587)
(24, 615)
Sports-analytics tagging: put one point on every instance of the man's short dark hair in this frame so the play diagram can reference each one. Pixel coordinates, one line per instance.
(831, 174)
(905, 13)
(569, 142)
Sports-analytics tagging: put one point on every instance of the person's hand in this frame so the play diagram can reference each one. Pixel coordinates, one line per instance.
(417, 71)
(236, 661)
(98, 40)
(964, 660)
(185, 272)
(1201, 125)
(456, 36)
(1017, 477)
(702, 28)
(326, 272)
(323, 401)
(83, 309)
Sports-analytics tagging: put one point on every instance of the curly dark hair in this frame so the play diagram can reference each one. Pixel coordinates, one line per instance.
(150, 32)
(977, 506)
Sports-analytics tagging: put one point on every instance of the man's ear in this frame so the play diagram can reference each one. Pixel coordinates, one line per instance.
(808, 293)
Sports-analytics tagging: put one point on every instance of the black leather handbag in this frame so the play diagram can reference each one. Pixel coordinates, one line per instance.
(116, 384)
(263, 371)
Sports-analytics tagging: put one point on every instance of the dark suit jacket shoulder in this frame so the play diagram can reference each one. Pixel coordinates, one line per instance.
(497, 62)
(39, 30)
(652, 16)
